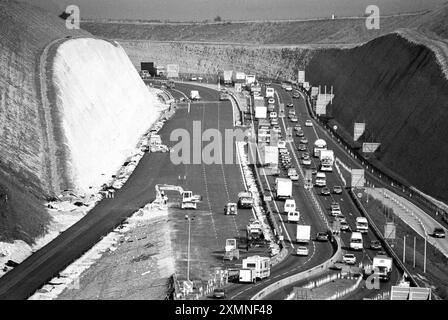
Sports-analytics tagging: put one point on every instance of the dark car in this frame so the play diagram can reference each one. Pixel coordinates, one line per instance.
(290, 105)
(325, 191)
(322, 236)
(219, 294)
(438, 233)
(375, 245)
(302, 147)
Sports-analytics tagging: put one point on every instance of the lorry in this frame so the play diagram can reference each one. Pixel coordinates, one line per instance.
(303, 234)
(283, 187)
(194, 95)
(321, 179)
(247, 276)
(228, 77)
(261, 111)
(261, 265)
(250, 79)
(319, 145)
(362, 225)
(245, 200)
(270, 92)
(326, 160)
(239, 77)
(382, 266)
(356, 242)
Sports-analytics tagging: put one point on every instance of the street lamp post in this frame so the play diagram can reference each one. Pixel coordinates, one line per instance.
(188, 249)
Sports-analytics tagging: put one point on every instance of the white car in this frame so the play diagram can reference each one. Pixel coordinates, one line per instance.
(271, 101)
(306, 162)
(308, 123)
(302, 251)
(349, 258)
(288, 87)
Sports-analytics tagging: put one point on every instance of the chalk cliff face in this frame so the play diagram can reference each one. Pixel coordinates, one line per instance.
(70, 108)
(104, 107)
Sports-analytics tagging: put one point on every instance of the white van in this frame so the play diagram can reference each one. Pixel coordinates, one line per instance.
(270, 92)
(356, 242)
(321, 179)
(290, 205)
(273, 115)
(294, 216)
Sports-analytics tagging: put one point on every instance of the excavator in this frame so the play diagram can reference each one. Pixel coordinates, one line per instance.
(188, 199)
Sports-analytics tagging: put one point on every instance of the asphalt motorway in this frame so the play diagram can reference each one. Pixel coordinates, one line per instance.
(347, 206)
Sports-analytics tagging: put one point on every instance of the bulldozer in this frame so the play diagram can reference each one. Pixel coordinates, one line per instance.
(231, 250)
(188, 199)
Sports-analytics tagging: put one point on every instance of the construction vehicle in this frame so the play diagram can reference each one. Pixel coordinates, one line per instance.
(188, 199)
(231, 250)
(261, 265)
(230, 209)
(245, 200)
(381, 266)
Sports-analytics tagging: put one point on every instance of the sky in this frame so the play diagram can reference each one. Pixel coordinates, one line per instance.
(198, 10)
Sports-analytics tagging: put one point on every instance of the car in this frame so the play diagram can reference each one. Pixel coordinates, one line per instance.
(301, 147)
(304, 140)
(284, 85)
(274, 122)
(294, 119)
(219, 293)
(292, 112)
(325, 191)
(306, 162)
(288, 87)
(300, 134)
(438, 233)
(337, 189)
(193, 79)
(297, 128)
(313, 170)
(349, 258)
(231, 209)
(271, 101)
(296, 95)
(302, 251)
(375, 245)
(322, 236)
(276, 128)
(308, 123)
(341, 218)
(335, 205)
(200, 78)
(290, 105)
(344, 226)
(305, 155)
(294, 177)
(273, 115)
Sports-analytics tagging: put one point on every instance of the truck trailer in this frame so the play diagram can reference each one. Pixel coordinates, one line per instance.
(283, 187)
(303, 234)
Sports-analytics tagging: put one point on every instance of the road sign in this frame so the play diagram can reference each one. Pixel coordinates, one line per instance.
(301, 76)
(358, 130)
(389, 230)
(172, 71)
(410, 293)
(370, 147)
(314, 92)
(289, 137)
(281, 110)
(358, 179)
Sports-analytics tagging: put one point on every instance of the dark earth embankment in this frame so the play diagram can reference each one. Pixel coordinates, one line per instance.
(25, 177)
(399, 90)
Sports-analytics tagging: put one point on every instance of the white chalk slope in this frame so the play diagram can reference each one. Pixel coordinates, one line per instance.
(105, 107)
